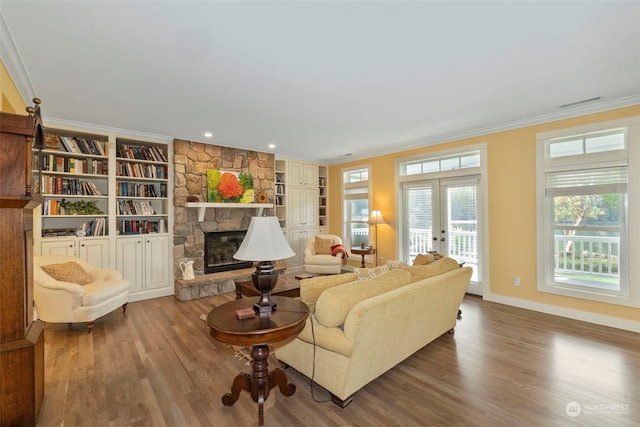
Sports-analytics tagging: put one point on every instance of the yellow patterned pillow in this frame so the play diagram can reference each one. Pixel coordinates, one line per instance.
(70, 272)
(323, 246)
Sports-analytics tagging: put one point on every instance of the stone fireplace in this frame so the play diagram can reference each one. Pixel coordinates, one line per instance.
(191, 161)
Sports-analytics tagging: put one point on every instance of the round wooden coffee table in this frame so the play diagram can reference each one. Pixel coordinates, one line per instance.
(258, 332)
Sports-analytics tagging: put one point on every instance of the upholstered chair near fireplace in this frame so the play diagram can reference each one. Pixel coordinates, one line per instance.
(324, 254)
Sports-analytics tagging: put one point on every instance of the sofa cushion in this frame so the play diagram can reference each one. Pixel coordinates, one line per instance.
(310, 289)
(423, 259)
(334, 304)
(323, 246)
(70, 272)
(419, 272)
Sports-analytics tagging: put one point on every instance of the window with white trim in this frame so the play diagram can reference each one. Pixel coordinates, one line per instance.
(583, 214)
(355, 189)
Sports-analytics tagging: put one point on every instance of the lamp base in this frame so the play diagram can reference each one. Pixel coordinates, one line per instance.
(264, 280)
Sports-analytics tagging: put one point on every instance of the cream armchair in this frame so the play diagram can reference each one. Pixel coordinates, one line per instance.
(318, 257)
(63, 300)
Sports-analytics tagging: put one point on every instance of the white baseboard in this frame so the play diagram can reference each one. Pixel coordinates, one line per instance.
(599, 319)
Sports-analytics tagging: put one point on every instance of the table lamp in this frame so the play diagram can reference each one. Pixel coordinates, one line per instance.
(264, 243)
(374, 219)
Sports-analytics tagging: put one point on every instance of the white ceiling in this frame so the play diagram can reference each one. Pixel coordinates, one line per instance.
(321, 79)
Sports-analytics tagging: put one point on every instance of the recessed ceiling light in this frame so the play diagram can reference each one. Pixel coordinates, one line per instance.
(272, 146)
(208, 134)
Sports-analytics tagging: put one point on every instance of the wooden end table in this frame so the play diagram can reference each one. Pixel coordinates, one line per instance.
(363, 252)
(259, 331)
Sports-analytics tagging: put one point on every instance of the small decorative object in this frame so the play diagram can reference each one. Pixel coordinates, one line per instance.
(362, 245)
(261, 197)
(51, 141)
(229, 187)
(187, 270)
(80, 207)
(193, 199)
(264, 243)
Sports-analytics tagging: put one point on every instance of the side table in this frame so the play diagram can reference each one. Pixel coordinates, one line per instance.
(363, 252)
(259, 331)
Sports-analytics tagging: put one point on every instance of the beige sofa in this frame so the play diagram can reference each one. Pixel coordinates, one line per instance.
(361, 329)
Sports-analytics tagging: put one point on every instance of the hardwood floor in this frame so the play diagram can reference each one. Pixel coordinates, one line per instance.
(157, 365)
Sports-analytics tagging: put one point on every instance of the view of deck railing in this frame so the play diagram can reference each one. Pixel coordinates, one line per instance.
(593, 255)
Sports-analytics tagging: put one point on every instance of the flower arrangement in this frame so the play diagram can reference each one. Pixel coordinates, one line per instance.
(229, 187)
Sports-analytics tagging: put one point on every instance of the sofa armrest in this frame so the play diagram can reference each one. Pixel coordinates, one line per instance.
(331, 339)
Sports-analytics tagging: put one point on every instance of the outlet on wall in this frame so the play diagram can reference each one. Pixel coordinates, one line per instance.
(381, 260)
(516, 281)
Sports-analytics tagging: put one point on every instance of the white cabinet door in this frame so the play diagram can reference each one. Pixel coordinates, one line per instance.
(66, 247)
(156, 256)
(95, 252)
(298, 241)
(303, 174)
(129, 261)
(303, 207)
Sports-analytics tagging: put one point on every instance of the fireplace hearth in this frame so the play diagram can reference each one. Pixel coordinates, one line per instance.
(219, 247)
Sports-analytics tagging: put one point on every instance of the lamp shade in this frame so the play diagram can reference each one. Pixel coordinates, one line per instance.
(264, 241)
(375, 218)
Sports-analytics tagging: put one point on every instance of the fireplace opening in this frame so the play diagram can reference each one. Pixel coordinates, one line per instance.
(219, 247)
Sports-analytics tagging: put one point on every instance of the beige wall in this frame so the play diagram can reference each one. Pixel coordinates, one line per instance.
(11, 100)
(511, 206)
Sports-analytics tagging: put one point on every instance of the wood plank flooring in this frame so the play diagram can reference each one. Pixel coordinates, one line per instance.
(157, 365)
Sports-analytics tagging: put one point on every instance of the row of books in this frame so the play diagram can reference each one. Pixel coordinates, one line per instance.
(132, 207)
(141, 171)
(131, 189)
(96, 227)
(138, 226)
(141, 152)
(74, 144)
(70, 186)
(53, 163)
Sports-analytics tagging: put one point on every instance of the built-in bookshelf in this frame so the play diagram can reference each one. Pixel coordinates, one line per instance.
(141, 186)
(73, 181)
(322, 196)
(280, 198)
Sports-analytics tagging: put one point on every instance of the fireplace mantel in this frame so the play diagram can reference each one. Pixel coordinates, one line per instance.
(202, 207)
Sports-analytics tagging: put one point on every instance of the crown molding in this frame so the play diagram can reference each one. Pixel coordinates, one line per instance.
(417, 141)
(13, 63)
(118, 133)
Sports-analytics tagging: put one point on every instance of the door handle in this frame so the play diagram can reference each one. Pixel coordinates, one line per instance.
(443, 240)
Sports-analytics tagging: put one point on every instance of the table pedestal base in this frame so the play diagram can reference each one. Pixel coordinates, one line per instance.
(260, 382)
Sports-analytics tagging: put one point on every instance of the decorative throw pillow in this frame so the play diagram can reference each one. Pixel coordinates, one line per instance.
(369, 273)
(419, 272)
(323, 246)
(395, 265)
(423, 259)
(70, 272)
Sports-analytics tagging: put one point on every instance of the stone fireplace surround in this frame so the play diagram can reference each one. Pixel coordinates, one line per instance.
(191, 161)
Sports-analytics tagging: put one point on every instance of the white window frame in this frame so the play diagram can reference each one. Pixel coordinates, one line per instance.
(629, 294)
(346, 197)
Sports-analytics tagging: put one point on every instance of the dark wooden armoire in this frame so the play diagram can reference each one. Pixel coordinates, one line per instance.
(21, 337)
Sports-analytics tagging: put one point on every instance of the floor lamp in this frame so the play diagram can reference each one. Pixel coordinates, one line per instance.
(375, 219)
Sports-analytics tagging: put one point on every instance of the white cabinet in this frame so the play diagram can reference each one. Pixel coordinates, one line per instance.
(94, 251)
(298, 241)
(302, 207)
(303, 174)
(144, 260)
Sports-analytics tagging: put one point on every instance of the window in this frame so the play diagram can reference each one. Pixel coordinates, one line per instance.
(583, 204)
(440, 164)
(356, 207)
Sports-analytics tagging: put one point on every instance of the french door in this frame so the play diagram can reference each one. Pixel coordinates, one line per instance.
(442, 215)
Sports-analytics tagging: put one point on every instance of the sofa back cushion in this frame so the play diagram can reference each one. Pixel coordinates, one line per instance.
(334, 304)
(311, 289)
(419, 272)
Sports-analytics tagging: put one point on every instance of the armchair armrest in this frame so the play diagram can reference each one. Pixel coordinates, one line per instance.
(105, 274)
(309, 252)
(55, 285)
